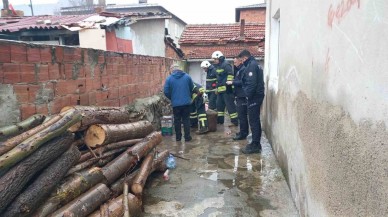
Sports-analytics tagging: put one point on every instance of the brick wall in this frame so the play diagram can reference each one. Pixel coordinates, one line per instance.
(44, 79)
(253, 15)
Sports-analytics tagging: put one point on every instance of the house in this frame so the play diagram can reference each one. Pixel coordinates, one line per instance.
(198, 42)
(156, 36)
(106, 31)
(251, 13)
(326, 105)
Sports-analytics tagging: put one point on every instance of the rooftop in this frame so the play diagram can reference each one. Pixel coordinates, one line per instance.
(216, 33)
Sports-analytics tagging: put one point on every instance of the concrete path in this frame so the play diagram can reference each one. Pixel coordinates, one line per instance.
(219, 181)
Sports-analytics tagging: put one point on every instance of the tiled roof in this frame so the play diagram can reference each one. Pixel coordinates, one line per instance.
(229, 50)
(213, 33)
(262, 5)
(14, 24)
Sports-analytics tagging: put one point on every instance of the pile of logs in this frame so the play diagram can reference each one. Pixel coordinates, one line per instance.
(84, 161)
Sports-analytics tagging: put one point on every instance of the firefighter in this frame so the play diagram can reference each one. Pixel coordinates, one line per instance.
(198, 112)
(225, 95)
(241, 99)
(211, 83)
(253, 85)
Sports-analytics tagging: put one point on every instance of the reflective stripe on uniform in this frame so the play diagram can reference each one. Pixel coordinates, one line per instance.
(208, 91)
(201, 115)
(211, 79)
(221, 88)
(220, 70)
(202, 90)
(202, 121)
(230, 78)
(220, 113)
(233, 115)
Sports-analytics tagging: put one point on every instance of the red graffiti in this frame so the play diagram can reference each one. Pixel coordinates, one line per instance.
(342, 9)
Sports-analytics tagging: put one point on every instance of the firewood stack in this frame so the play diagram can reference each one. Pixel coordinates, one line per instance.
(84, 161)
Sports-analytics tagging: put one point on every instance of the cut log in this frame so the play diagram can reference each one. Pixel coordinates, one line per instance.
(92, 161)
(31, 144)
(140, 179)
(72, 187)
(102, 134)
(116, 145)
(13, 130)
(26, 203)
(12, 183)
(127, 160)
(99, 115)
(114, 208)
(157, 165)
(12, 142)
(125, 200)
(86, 203)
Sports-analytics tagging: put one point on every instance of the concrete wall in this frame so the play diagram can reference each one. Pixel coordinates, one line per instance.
(175, 29)
(43, 79)
(148, 37)
(196, 73)
(326, 108)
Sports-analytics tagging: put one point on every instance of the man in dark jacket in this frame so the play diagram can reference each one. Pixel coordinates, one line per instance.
(241, 99)
(211, 83)
(178, 89)
(225, 95)
(253, 85)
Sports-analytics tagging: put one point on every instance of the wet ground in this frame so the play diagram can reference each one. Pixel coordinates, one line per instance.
(219, 181)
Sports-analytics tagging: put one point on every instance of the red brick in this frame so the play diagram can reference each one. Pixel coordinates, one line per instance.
(68, 71)
(43, 74)
(33, 91)
(27, 110)
(59, 102)
(74, 99)
(18, 53)
(113, 93)
(92, 84)
(123, 101)
(92, 98)
(42, 109)
(5, 53)
(21, 92)
(123, 91)
(123, 80)
(45, 55)
(104, 81)
(59, 54)
(11, 77)
(27, 73)
(113, 81)
(33, 55)
(53, 71)
(1, 73)
(101, 96)
(66, 87)
(84, 99)
(71, 54)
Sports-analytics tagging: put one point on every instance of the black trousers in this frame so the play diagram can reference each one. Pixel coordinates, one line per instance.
(226, 99)
(182, 115)
(198, 113)
(254, 105)
(242, 111)
(212, 100)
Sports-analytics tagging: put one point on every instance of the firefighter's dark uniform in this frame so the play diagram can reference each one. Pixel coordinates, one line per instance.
(241, 102)
(225, 95)
(211, 86)
(198, 112)
(253, 85)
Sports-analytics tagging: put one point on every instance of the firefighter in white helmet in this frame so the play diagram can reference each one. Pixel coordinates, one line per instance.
(225, 96)
(211, 83)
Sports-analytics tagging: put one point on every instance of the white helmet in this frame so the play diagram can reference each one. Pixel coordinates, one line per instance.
(205, 64)
(217, 55)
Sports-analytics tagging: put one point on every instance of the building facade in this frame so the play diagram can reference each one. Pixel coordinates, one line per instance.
(326, 106)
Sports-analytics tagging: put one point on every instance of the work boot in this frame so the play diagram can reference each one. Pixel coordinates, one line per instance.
(251, 148)
(203, 130)
(233, 125)
(239, 137)
(188, 139)
(194, 126)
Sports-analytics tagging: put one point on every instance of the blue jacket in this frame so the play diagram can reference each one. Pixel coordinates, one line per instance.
(253, 78)
(178, 88)
(237, 82)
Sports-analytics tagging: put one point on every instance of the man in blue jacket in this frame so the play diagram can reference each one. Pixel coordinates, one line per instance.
(253, 85)
(178, 89)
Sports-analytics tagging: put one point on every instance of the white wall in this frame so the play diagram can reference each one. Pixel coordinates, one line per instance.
(148, 37)
(196, 73)
(326, 107)
(92, 38)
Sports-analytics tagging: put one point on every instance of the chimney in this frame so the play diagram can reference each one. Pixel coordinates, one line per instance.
(242, 28)
(142, 1)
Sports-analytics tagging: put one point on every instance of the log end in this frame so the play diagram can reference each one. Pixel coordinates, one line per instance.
(95, 136)
(137, 189)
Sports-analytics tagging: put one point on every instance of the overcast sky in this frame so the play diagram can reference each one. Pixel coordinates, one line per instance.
(191, 11)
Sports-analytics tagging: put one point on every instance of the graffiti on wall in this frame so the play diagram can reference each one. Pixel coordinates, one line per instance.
(341, 10)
